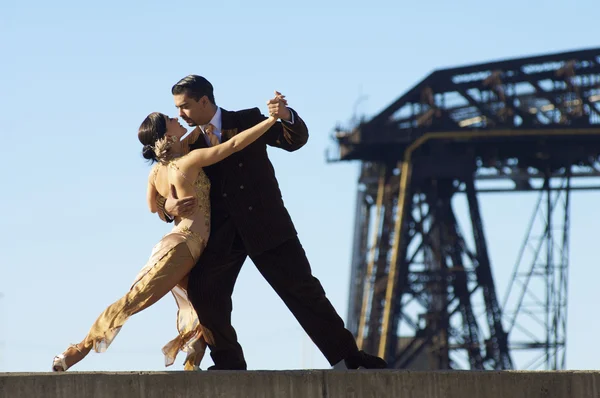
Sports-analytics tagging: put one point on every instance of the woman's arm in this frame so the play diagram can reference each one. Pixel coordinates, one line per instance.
(203, 157)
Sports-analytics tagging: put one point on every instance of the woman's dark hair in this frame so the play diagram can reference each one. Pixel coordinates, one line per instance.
(152, 129)
(194, 86)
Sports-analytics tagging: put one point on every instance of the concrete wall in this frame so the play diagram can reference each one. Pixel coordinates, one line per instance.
(305, 384)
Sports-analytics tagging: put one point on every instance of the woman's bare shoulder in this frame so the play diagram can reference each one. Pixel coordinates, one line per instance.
(182, 169)
(153, 173)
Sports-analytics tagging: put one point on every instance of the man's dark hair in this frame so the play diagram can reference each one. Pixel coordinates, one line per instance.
(194, 86)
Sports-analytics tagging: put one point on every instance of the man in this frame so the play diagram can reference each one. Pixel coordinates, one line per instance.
(248, 218)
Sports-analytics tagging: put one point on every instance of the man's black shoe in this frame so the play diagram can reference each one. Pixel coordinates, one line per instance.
(237, 366)
(361, 359)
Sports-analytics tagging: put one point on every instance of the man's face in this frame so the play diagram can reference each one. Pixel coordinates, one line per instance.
(193, 112)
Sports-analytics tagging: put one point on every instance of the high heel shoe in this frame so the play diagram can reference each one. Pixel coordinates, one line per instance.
(59, 364)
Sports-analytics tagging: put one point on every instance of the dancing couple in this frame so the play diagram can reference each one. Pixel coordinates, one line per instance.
(218, 188)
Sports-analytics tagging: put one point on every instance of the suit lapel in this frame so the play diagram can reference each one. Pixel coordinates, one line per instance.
(227, 124)
(228, 128)
(226, 119)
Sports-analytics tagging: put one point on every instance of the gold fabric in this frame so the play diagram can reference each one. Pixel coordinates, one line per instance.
(172, 258)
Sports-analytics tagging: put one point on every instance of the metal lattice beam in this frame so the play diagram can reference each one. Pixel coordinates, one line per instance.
(523, 121)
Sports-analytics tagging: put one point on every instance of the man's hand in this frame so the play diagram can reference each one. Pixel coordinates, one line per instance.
(183, 207)
(278, 107)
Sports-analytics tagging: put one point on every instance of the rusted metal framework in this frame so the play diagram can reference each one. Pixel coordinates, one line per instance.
(422, 292)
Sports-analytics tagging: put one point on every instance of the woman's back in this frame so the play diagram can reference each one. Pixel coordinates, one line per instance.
(197, 224)
(165, 175)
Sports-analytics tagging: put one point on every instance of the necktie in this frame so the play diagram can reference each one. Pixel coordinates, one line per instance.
(212, 138)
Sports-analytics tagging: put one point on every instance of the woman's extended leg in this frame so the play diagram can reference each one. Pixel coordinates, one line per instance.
(161, 278)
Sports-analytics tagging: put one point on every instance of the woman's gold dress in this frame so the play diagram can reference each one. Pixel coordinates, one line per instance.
(166, 270)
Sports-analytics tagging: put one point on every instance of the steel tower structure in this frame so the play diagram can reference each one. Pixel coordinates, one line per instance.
(422, 292)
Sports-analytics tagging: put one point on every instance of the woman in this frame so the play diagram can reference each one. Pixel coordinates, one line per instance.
(178, 251)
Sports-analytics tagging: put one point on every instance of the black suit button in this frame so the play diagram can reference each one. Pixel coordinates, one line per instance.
(241, 164)
(250, 208)
(241, 187)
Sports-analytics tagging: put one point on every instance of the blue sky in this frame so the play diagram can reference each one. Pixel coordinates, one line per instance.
(78, 78)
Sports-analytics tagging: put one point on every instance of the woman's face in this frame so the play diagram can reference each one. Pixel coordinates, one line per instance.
(174, 128)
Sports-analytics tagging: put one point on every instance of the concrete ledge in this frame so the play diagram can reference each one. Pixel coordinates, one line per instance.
(305, 384)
